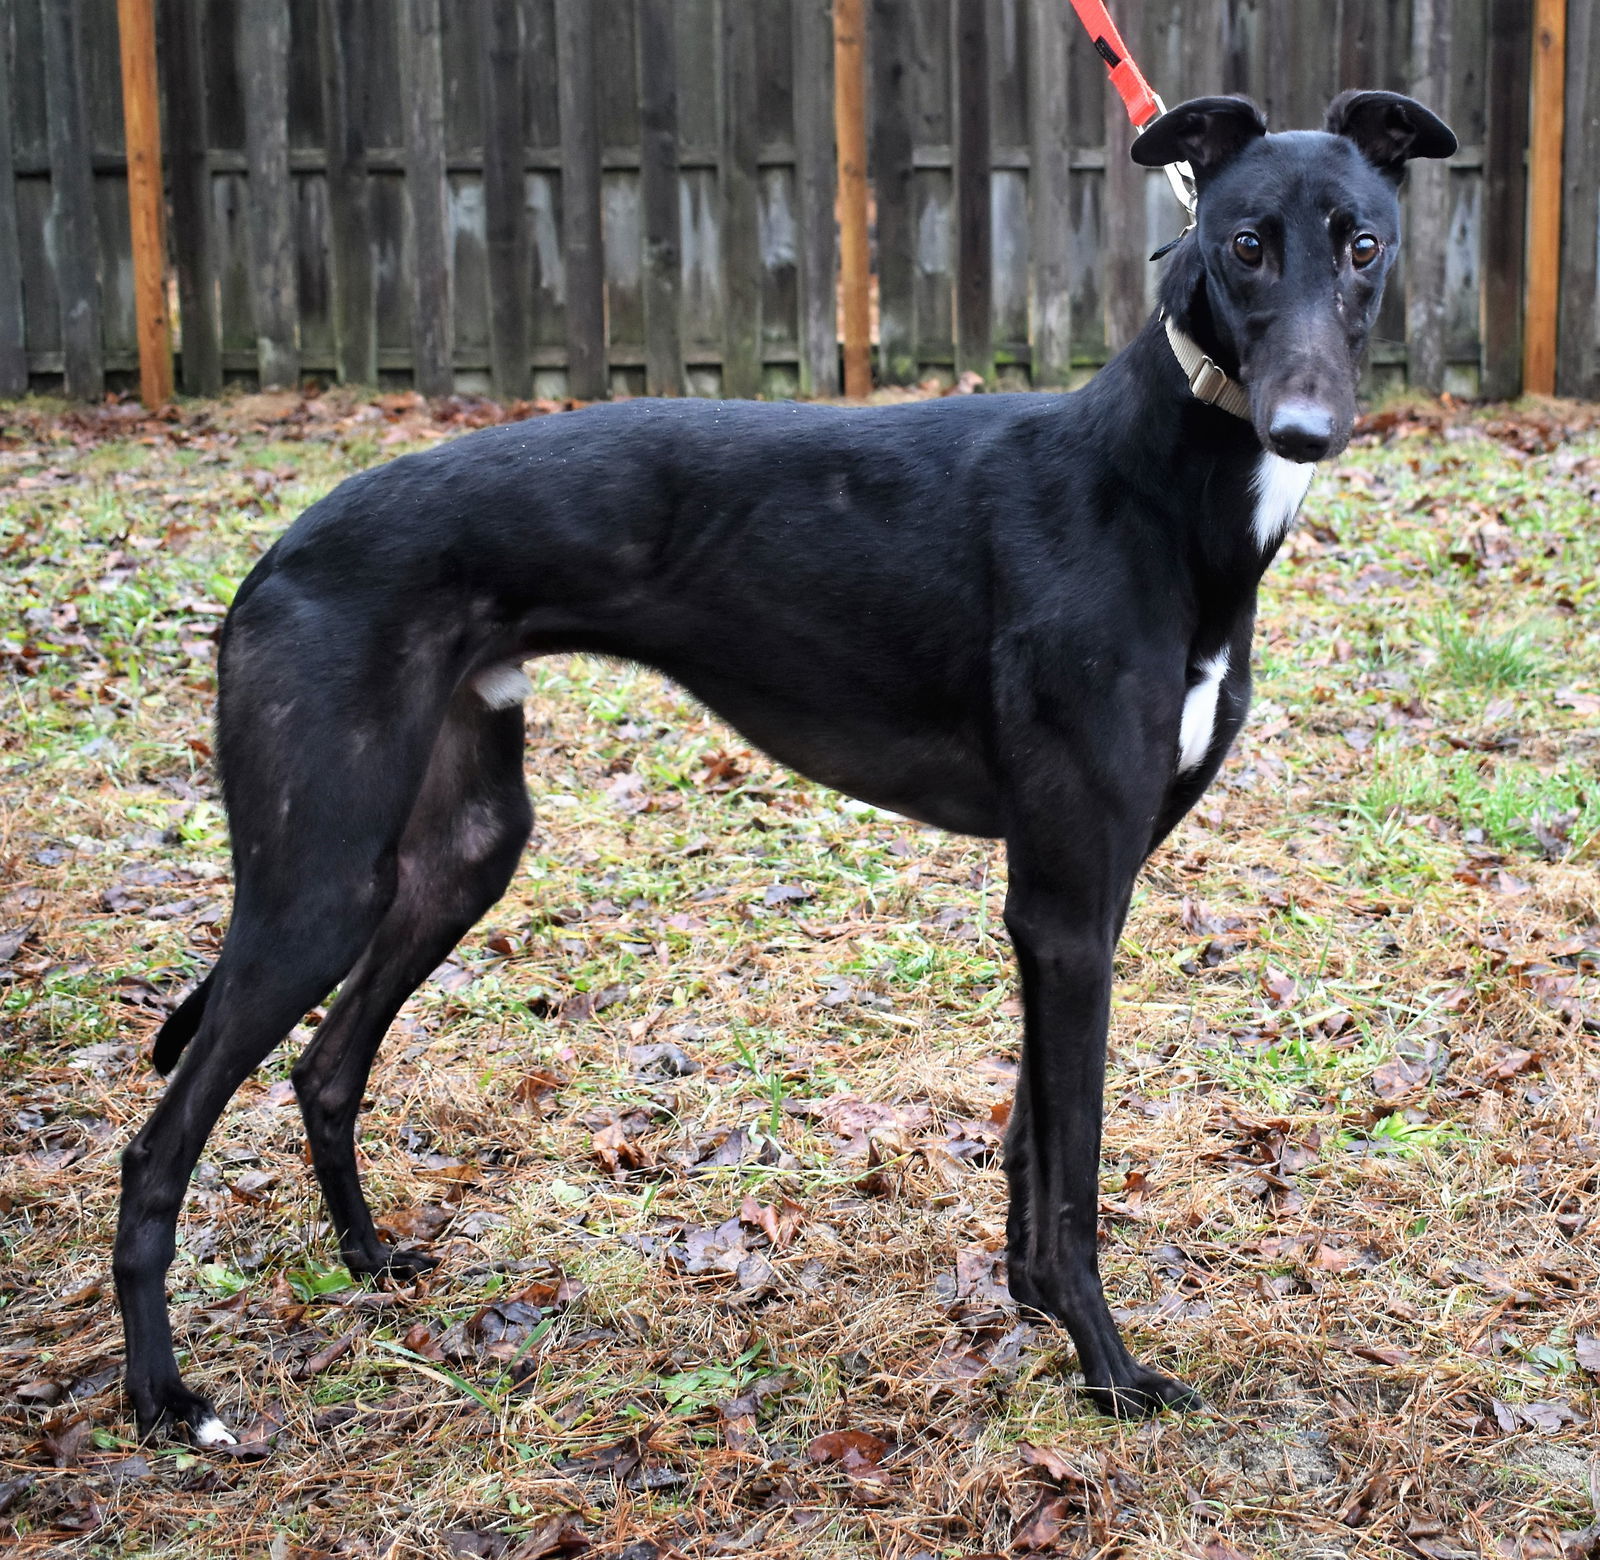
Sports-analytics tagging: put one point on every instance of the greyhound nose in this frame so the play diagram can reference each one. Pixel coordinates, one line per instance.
(1301, 431)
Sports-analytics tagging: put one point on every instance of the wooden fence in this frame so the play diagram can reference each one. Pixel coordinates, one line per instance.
(583, 196)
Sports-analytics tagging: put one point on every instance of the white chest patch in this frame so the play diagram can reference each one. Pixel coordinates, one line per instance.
(1200, 713)
(1280, 488)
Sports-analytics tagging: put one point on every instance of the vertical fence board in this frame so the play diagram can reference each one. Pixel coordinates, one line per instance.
(1505, 195)
(263, 61)
(13, 335)
(815, 179)
(1086, 130)
(889, 42)
(1050, 189)
(1125, 226)
(933, 187)
(659, 197)
(1578, 325)
(778, 201)
(341, 39)
(582, 249)
(741, 213)
(974, 279)
(180, 63)
(541, 124)
(1008, 188)
(505, 197)
(224, 86)
(75, 244)
(432, 306)
(1427, 215)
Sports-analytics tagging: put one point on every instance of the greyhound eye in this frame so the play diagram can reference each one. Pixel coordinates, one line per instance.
(1247, 246)
(1364, 249)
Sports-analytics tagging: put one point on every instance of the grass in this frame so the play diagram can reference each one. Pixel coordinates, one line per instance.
(704, 1119)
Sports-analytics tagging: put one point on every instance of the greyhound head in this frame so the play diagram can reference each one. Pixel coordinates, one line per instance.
(1295, 236)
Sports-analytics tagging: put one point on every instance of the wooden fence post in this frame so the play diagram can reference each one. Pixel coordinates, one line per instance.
(72, 220)
(1544, 196)
(141, 117)
(850, 139)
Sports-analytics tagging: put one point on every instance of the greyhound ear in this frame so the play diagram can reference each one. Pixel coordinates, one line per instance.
(1205, 132)
(1388, 128)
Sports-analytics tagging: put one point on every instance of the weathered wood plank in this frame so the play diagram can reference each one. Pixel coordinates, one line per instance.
(1578, 340)
(342, 40)
(75, 244)
(432, 300)
(1124, 216)
(505, 196)
(583, 252)
(660, 196)
(974, 258)
(1505, 195)
(1427, 216)
(891, 181)
(180, 61)
(1050, 192)
(263, 60)
(13, 332)
(741, 214)
(815, 190)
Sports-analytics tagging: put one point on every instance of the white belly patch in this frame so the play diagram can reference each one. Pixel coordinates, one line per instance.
(1280, 488)
(502, 686)
(1199, 722)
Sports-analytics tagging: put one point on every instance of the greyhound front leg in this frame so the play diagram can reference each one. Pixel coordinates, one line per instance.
(1053, 1145)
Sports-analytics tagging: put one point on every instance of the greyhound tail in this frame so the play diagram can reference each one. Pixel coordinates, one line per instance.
(179, 1028)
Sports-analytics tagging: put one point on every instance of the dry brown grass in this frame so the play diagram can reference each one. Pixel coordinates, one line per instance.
(757, 1308)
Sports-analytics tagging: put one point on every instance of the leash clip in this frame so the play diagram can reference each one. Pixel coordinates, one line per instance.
(1179, 174)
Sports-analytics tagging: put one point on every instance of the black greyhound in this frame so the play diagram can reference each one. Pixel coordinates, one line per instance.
(1026, 617)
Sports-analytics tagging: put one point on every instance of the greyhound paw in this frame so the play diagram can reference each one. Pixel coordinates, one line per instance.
(175, 1408)
(1143, 1393)
(386, 1262)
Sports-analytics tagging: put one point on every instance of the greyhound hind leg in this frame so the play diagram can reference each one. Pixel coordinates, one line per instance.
(460, 848)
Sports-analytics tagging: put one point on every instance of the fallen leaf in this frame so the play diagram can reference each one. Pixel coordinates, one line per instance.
(1042, 1528)
(857, 1451)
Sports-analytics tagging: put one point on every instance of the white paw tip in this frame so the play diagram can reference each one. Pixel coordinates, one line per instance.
(212, 1432)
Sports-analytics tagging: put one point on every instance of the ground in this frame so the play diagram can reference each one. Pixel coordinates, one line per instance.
(703, 1121)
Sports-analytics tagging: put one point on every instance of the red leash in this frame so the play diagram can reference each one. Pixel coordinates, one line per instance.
(1137, 95)
(1141, 100)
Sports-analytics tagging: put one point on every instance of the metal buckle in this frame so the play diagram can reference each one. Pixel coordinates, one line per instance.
(1207, 382)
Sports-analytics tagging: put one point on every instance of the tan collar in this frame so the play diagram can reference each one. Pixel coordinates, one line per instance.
(1207, 382)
